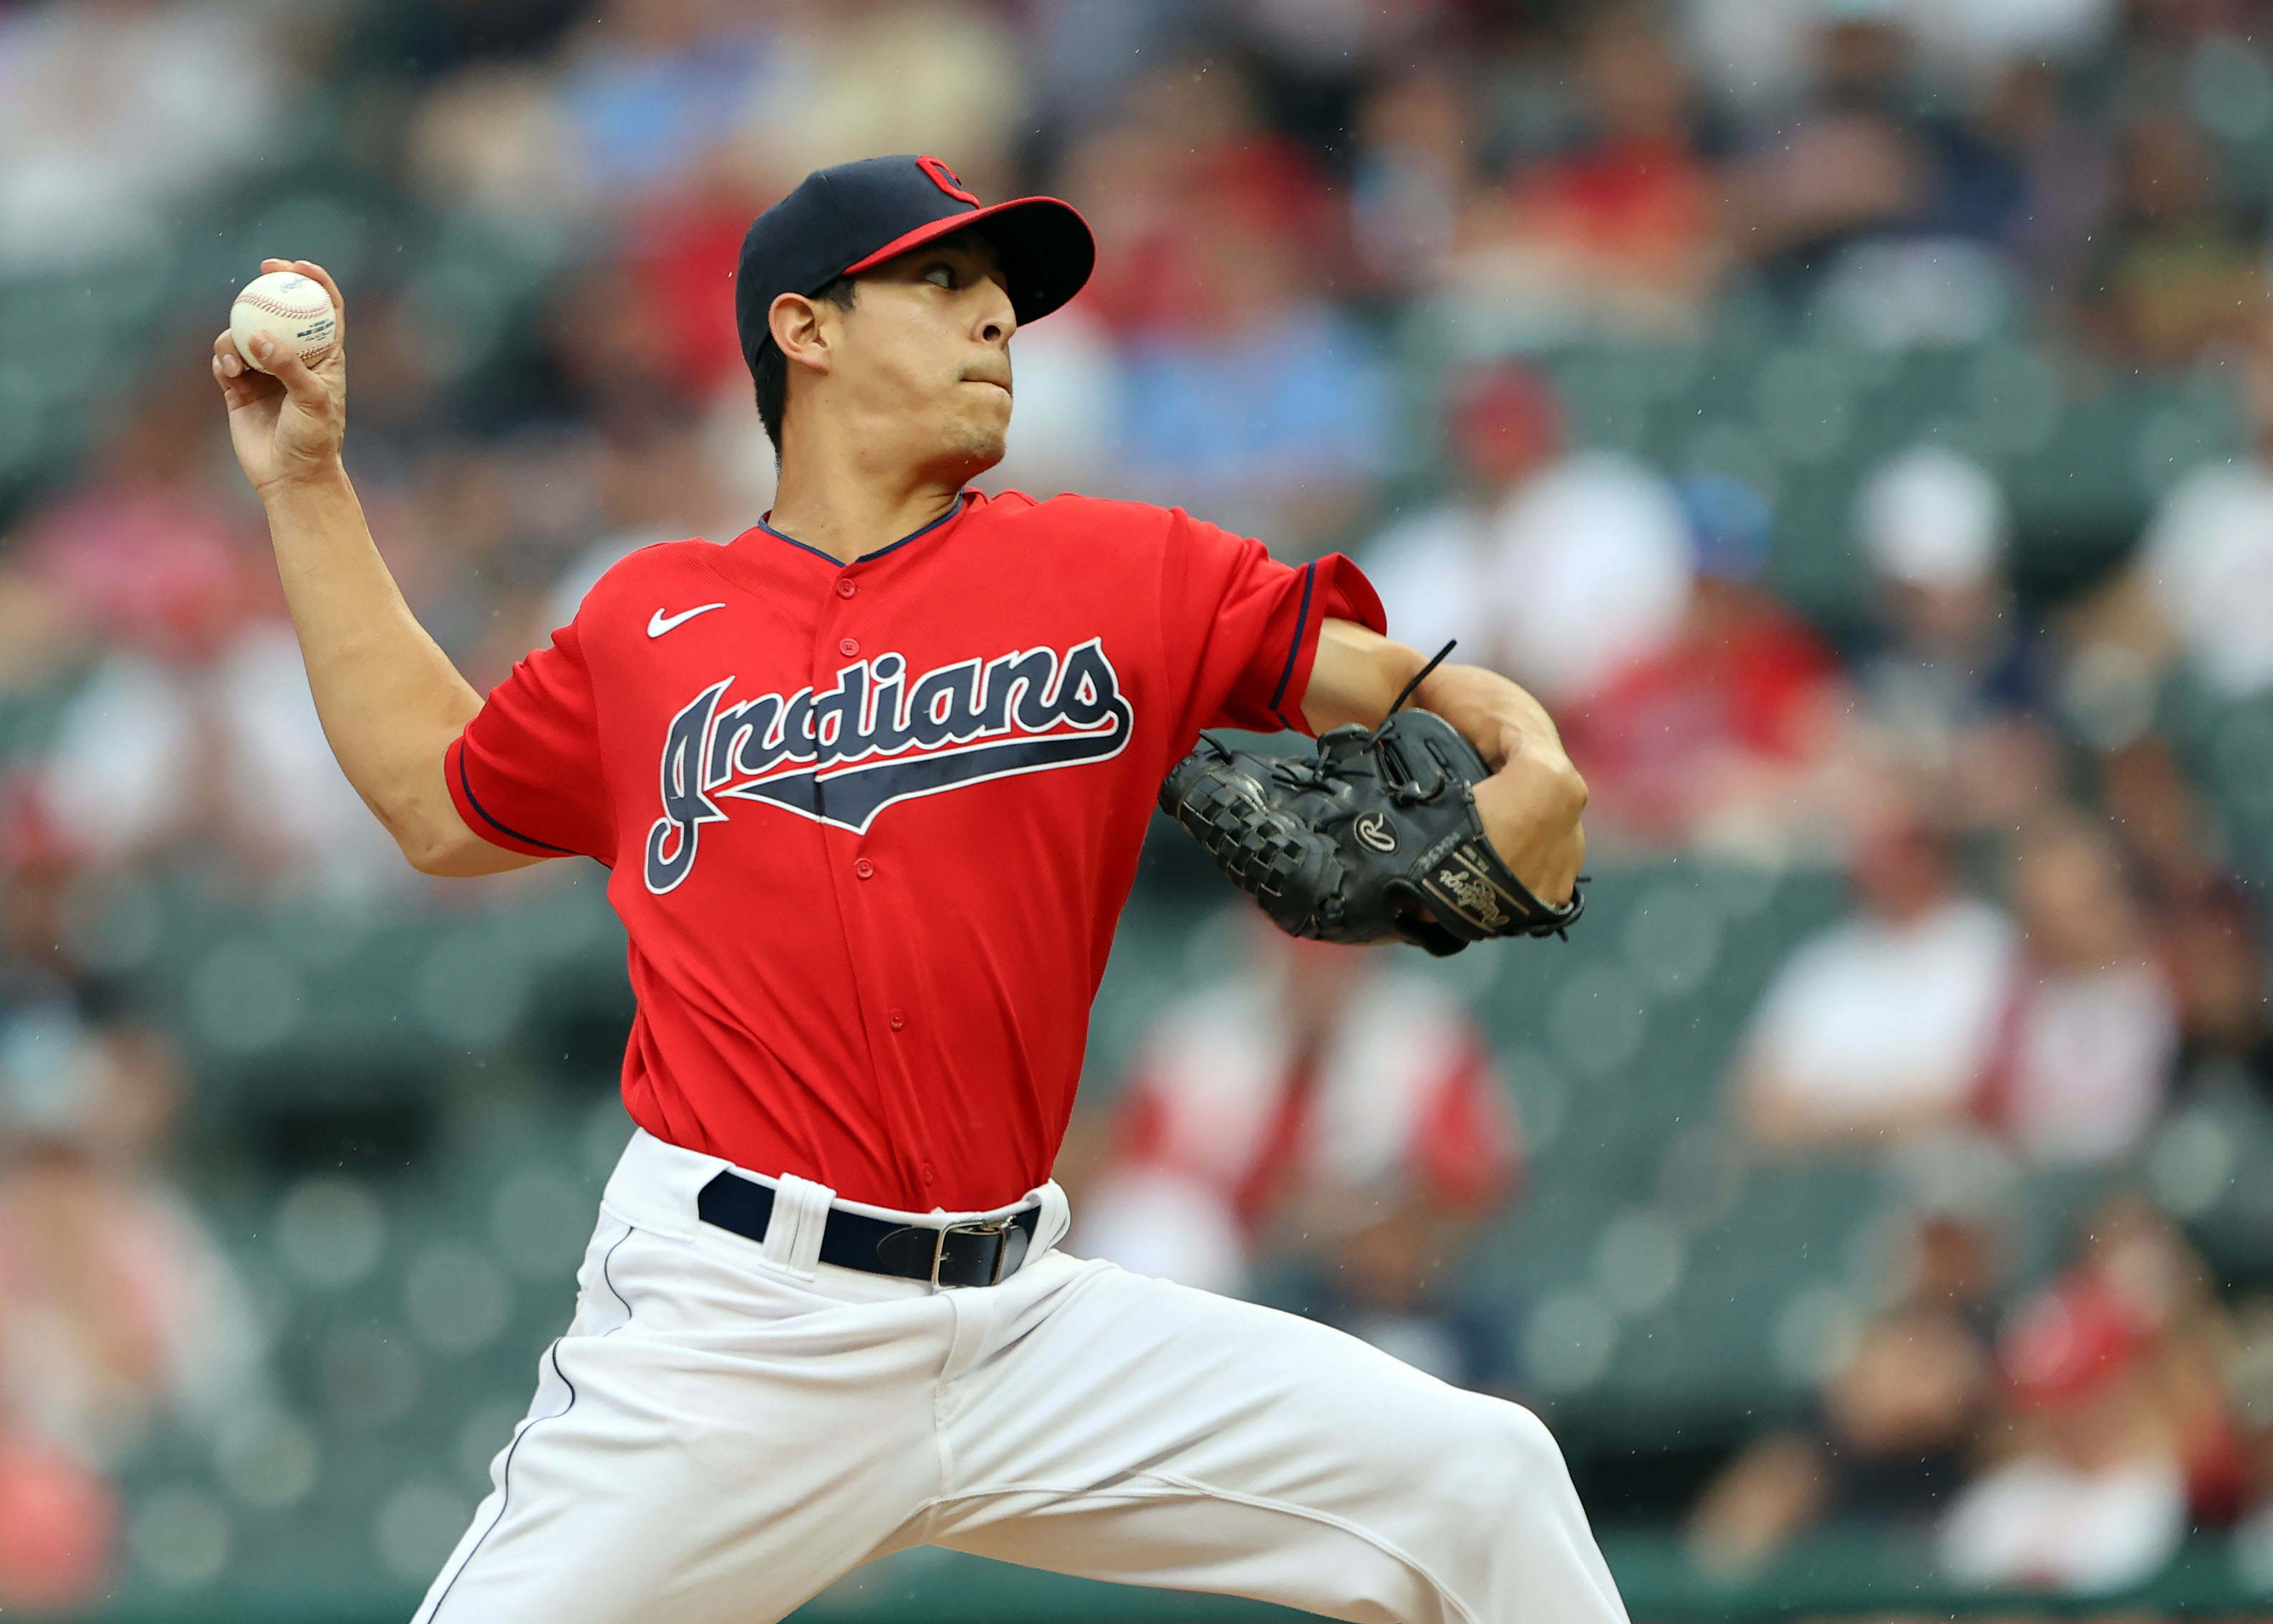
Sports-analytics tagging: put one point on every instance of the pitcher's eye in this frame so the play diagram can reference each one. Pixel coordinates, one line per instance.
(941, 273)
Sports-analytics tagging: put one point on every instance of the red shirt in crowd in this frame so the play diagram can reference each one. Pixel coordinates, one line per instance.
(871, 824)
(1629, 197)
(1746, 684)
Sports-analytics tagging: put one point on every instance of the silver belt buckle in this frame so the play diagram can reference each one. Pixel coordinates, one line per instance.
(990, 1226)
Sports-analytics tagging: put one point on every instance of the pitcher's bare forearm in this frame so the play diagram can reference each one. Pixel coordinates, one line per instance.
(389, 698)
(1532, 803)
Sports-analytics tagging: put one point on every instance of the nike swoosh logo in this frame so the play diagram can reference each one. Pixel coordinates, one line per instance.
(658, 623)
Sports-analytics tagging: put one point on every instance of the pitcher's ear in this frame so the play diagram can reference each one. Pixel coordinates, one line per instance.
(795, 322)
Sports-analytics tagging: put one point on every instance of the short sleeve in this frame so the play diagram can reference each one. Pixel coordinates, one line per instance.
(1245, 626)
(526, 773)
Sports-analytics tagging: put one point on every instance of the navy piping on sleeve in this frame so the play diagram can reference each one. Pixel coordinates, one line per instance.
(474, 801)
(962, 501)
(1294, 650)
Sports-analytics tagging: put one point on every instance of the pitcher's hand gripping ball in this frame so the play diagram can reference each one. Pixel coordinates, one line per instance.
(1375, 838)
(293, 309)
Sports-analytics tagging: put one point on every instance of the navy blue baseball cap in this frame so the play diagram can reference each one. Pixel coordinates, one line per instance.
(850, 218)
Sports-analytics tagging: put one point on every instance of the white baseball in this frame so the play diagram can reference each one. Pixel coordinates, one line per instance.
(291, 308)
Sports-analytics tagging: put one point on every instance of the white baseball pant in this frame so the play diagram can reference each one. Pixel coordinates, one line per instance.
(728, 1427)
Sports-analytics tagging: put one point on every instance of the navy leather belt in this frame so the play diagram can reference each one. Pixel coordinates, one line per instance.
(955, 1255)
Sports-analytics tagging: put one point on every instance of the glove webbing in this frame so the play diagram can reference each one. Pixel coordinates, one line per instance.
(1265, 853)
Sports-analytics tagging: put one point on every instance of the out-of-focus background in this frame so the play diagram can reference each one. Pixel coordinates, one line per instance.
(1854, 417)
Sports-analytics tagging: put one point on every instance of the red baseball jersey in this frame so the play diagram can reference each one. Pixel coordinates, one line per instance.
(871, 824)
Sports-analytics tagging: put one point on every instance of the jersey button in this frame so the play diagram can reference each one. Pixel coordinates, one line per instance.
(849, 647)
(926, 1174)
(865, 868)
(898, 1020)
(845, 587)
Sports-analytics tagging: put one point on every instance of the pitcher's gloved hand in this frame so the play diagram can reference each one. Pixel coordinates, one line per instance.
(1375, 838)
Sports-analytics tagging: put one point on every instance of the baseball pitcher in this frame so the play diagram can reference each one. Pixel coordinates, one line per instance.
(870, 781)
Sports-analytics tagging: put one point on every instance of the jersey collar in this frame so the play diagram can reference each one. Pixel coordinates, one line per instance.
(964, 500)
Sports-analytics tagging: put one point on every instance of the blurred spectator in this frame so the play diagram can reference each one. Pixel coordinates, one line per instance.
(1894, 1419)
(153, 551)
(1247, 396)
(2062, 163)
(1756, 51)
(649, 109)
(1267, 409)
(58, 1522)
(1560, 568)
(2203, 584)
(2091, 1031)
(651, 89)
(194, 724)
(2212, 949)
(1324, 1110)
(1887, 1449)
(1951, 693)
(2188, 1343)
(2092, 1496)
(1621, 232)
(118, 1310)
(1880, 1028)
(622, 358)
(119, 1307)
(492, 139)
(1085, 52)
(1859, 159)
(494, 528)
(682, 252)
(863, 77)
(1414, 173)
(1724, 737)
(1188, 164)
(44, 637)
(2172, 267)
(1955, 1230)
(108, 117)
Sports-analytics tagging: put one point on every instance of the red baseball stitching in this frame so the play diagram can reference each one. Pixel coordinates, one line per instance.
(262, 301)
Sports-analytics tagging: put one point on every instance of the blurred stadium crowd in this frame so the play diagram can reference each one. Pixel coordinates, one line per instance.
(1854, 417)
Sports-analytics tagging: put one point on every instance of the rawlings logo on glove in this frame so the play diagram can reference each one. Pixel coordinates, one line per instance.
(1375, 838)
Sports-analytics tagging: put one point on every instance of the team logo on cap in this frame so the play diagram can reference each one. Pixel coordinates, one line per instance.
(946, 179)
(841, 755)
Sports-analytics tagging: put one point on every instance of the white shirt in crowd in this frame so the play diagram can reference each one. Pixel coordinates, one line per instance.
(134, 743)
(2041, 1521)
(2208, 557)
(1872, 1018)
(1583, 569)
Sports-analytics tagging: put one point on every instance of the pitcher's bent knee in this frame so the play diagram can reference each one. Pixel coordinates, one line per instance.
(1512, 1544)
(1502, 1463)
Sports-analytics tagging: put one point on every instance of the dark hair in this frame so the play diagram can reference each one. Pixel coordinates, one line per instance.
(770, 368)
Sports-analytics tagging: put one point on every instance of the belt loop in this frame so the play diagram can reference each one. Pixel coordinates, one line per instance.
(793, 1233)
(1051, 1224)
